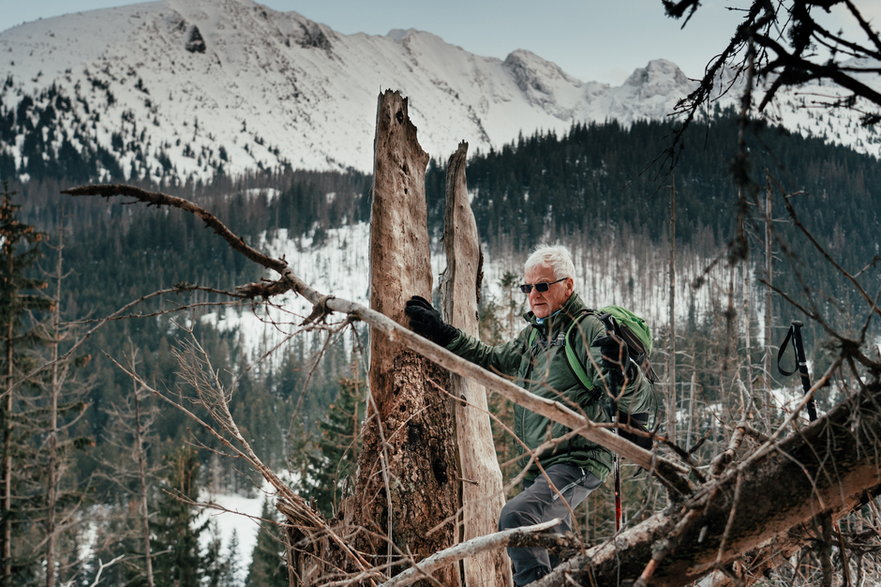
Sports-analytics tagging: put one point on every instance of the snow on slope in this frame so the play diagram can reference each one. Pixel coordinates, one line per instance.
(339, 267)
(237, 519)
(273, 86)
(185, 88)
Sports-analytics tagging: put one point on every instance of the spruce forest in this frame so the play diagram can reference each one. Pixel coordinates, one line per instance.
(125, 469)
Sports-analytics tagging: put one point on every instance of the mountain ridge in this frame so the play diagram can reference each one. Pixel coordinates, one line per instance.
(172, 91)
(275, 88)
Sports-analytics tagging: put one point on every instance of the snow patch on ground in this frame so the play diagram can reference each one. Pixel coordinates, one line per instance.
(239, 516)
(234, 515)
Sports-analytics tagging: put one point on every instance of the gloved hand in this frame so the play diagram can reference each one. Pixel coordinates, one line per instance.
(616, 359)
(426, 321)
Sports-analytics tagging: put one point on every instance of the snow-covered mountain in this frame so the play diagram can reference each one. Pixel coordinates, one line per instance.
(185, 88)
(200, 84)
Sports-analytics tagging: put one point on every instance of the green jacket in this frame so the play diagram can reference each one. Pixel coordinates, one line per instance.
(544, 371)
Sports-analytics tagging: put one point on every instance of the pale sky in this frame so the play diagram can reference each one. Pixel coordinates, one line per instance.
(593, 40)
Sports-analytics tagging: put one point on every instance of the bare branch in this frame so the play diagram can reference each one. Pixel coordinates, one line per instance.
(856, 284)
(215, 401)
(159, 199)
(463, 550)
(102, 566)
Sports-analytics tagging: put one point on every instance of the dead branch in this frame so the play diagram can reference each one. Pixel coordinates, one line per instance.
(781, 39)
(214, 398)
(102, 566)
(159, 199)
(463, 550)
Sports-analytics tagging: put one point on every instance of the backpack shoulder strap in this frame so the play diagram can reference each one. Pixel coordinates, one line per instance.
(573, 359)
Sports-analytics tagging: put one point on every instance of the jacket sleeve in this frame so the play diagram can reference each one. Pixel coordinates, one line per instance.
(503, 358)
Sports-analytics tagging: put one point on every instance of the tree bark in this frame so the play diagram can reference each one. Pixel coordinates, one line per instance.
(482, 489)
(408, 481)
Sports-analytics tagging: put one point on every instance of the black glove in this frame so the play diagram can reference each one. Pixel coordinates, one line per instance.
(426, 321)
(616, 359)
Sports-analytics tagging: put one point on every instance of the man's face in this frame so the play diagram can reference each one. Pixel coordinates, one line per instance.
(543, 304)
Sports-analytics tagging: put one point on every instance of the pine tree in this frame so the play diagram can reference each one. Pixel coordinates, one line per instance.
(19, 297)
(217, 572)
(232, 558)
(328, 470)
(267, 561)
(179, 560)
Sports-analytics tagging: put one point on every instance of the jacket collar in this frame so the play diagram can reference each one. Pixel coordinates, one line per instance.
(570, 309)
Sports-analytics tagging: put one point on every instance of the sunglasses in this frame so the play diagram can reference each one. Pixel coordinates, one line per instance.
(539, 287)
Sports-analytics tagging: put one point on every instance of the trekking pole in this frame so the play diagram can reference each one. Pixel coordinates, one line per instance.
(619, 510)
(794, 334)
(609, 323)
(802, 365)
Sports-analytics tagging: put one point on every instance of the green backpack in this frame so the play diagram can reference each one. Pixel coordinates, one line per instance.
(632, 329)
(637, 335)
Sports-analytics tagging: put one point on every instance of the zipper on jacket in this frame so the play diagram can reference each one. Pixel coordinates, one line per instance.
(540, 340)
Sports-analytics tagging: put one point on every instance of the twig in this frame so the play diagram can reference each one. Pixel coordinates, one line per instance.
(726, 534)
(295, 507)
(117, 315)
(770, 443)
(721, 461)
(102, 565)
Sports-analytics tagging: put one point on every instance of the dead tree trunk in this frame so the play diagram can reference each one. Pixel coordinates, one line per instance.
(671, 359)
(482, 489)
(408, 483)
(769, 299)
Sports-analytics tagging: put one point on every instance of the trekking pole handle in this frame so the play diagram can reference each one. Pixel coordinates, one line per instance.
(801, 361)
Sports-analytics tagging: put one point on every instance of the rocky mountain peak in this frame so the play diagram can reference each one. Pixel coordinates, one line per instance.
(184, 89)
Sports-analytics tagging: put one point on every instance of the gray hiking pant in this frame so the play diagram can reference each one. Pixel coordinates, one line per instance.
(539, 503)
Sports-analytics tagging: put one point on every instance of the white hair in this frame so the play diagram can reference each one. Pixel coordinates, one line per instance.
(556, 257)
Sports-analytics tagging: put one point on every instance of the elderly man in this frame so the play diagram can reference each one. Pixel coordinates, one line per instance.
(563, 468)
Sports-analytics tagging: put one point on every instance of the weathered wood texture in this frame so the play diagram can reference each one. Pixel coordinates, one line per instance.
(482, 491)
(408, 482)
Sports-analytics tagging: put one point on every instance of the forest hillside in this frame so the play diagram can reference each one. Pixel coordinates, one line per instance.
(607, 191)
